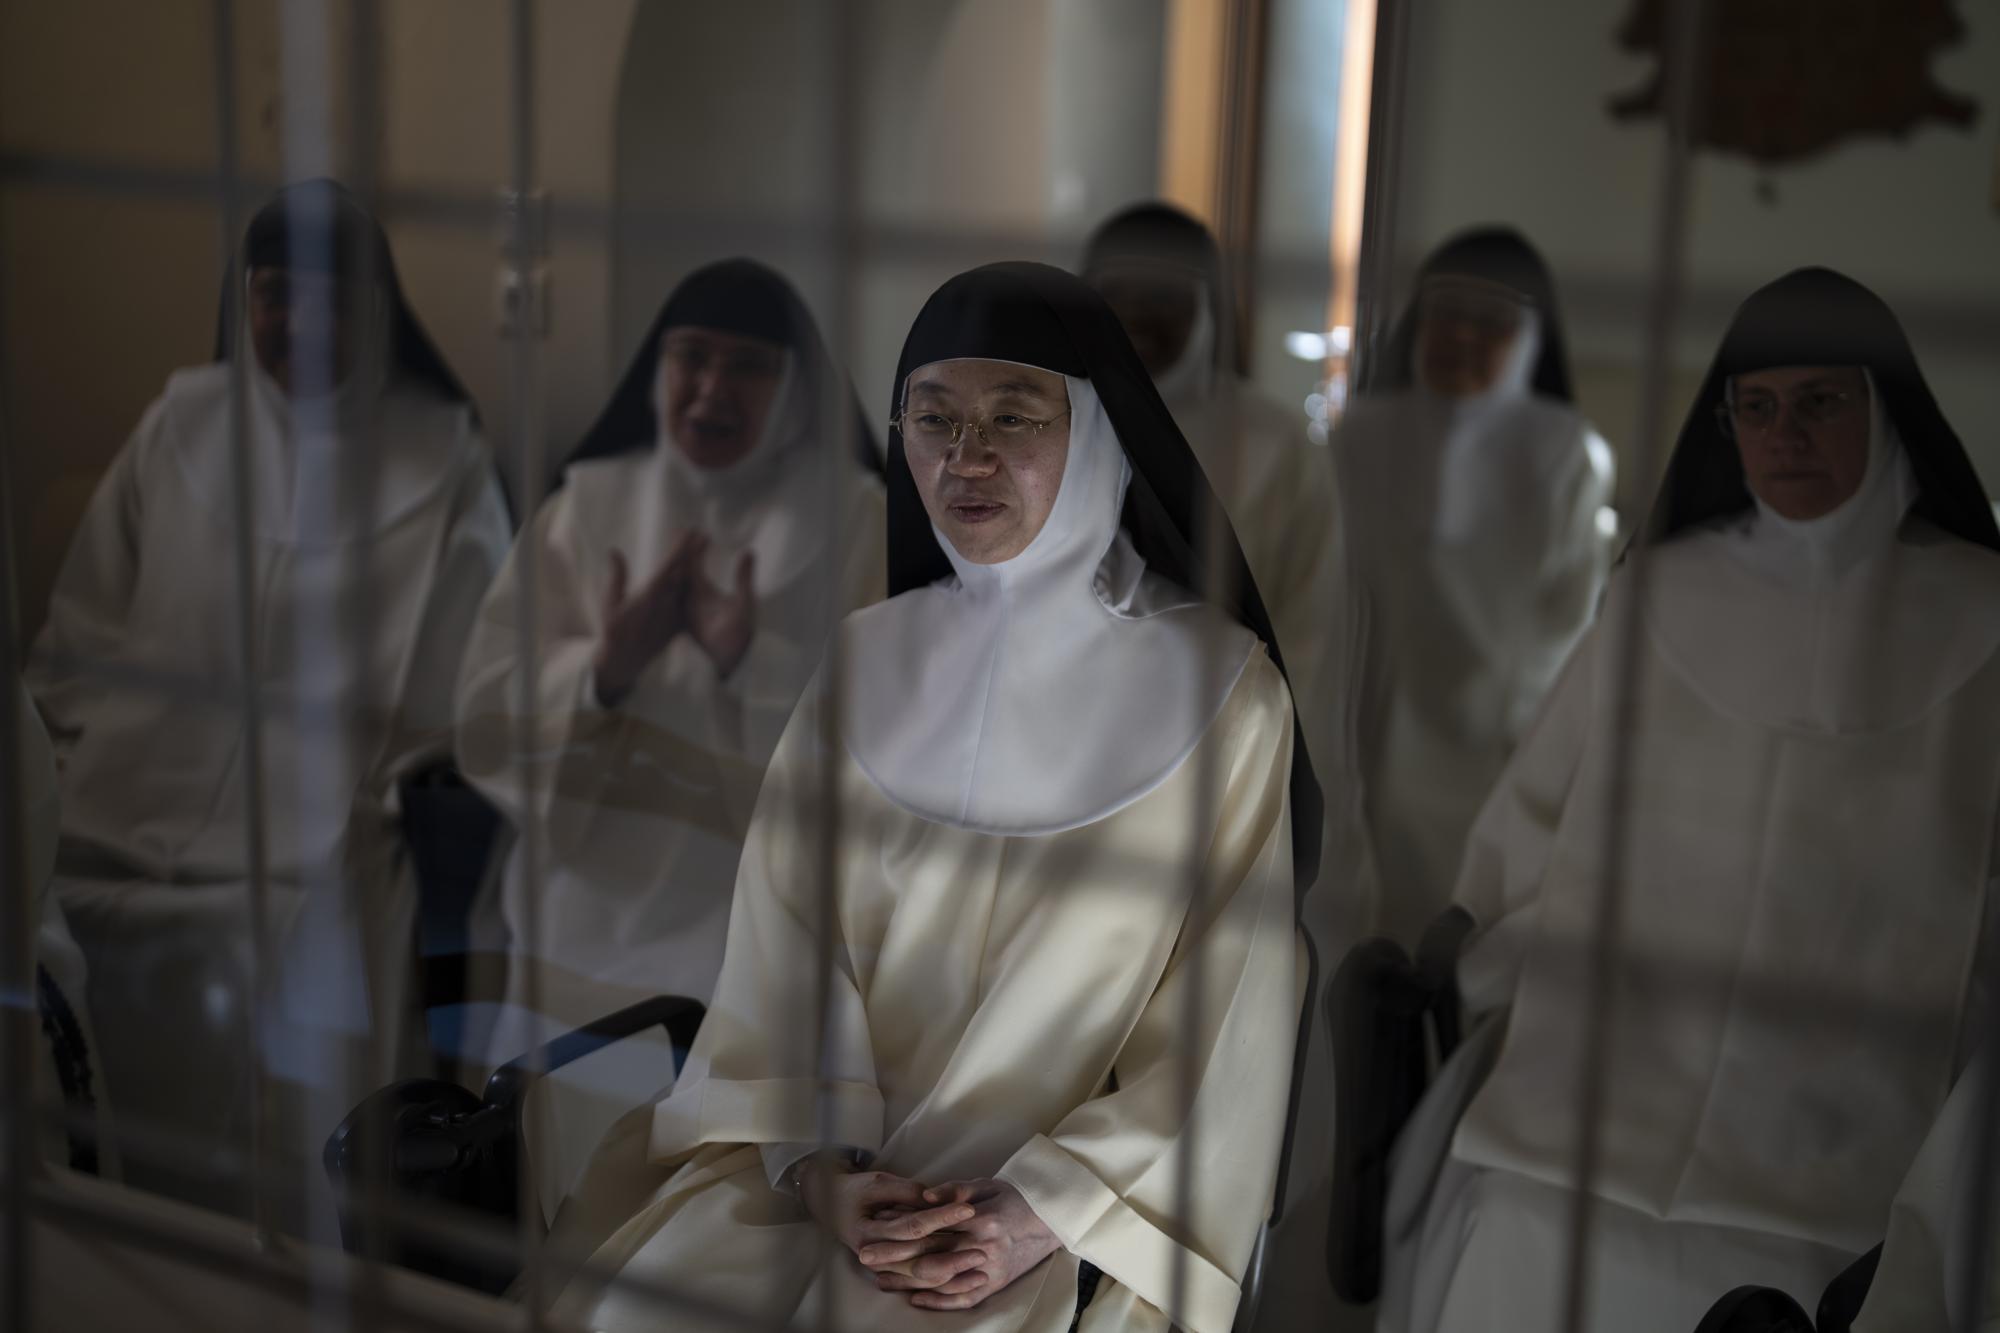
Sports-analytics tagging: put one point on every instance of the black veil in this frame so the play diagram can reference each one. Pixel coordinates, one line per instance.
(1041, 316)
(739, 296)
(1817, 317)
(1496, 254)
(1163, 235)
(319, 225)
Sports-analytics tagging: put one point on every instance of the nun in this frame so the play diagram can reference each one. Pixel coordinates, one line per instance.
(1162, 274)
(1013, 1035)
(1811, 779)
(375, 520)
(1473, 491)
(711, 529)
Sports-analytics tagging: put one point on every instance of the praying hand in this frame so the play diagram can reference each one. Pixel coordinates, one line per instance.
(950, 1246)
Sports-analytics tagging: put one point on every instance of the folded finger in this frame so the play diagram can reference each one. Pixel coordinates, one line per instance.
(667, 582)
(898, 1282)
(938, 1300)
(915, 1226)
(883, 1253)
(683, 553)
(936, 1270)
(953, 1191)
(893, 1192)
(965, 1283)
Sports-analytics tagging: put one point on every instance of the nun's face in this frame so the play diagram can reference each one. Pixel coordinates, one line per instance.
(306, 328)
(991, 490)
(1802, 433)
(1465, 328)
(718, 389)
(1156, 305)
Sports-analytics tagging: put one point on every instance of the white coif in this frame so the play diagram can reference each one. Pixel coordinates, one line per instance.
(964, 715)
(1473, 529)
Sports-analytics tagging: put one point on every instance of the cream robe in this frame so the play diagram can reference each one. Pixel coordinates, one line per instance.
(1475, 548)
(1800, 918)
(985, 991)
(1928, 1251)
(1276, 487)
(642, 808)
(150, 735)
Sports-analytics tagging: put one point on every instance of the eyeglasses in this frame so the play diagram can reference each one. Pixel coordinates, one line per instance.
(1486, 306)
(934, 430)
(1758, 413)
(692, 359)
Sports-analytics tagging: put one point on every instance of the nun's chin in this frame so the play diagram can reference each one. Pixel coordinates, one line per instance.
(987, 536)
(714, 449)
(1803, 497)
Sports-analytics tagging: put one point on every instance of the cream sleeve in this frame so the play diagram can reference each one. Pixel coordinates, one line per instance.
(1164, 1182)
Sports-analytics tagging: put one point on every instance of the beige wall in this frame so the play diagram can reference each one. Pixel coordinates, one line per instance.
(449, 109)
(106, 293)
(1507, 122)
(985, 129)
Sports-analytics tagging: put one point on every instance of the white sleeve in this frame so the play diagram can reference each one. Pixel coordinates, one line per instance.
(1926, 1252)
(87, 607)
(474, 548)
(780, 1158)
(1507, 851)
(488, 700)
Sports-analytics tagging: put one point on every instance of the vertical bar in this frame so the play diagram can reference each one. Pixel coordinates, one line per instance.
(1236, 173)
(228, 173)
(844, 244)
(1966, 1300)
(366, 1059)
(1236, 170)
(1351, 129)
(17, 935)
(1374, 277)
(1628, 636)
(531, 450)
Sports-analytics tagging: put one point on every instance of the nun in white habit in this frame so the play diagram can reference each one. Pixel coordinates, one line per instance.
(1472, 491)
(1814, 784)
(371, 494)
(1161, 272)
(1061, 999)
(711, 529)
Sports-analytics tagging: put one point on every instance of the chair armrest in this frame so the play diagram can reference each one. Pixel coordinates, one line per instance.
(1755, 1310)
(432, 1139)
(677, 1014)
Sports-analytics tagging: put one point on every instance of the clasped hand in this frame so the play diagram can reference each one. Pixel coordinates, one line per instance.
(950, 1246)
(677, 599)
